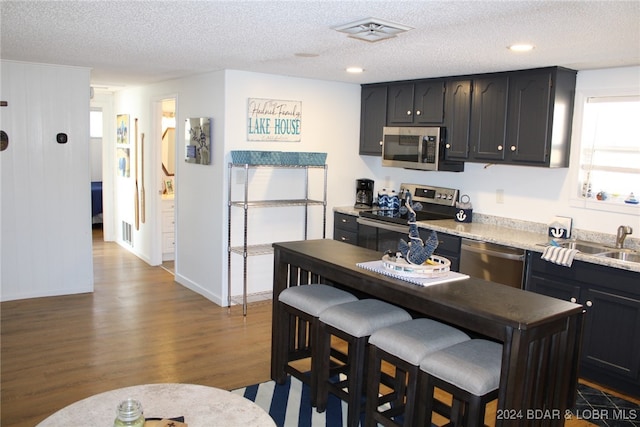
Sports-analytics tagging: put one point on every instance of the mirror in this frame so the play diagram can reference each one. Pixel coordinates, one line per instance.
(168, 137)
(169, 151)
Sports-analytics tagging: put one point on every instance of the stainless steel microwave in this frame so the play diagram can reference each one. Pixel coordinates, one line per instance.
(419, 148)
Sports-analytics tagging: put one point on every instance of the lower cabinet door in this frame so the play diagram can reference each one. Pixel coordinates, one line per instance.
(612, 333)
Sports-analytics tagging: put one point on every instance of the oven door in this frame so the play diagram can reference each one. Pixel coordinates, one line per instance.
(379, 235)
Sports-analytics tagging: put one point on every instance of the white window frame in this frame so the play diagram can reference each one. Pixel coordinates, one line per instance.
(576, 148)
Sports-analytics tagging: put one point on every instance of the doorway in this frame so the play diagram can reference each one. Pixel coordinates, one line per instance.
(168, 173)
(95, 164)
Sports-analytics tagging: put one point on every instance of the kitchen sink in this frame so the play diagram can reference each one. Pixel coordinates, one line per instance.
(585, 247)
(622, 255)
(600, 250)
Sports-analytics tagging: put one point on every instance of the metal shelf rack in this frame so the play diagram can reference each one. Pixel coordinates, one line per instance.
(247, 250)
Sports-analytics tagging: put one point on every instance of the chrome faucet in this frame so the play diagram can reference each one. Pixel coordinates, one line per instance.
(623, 230)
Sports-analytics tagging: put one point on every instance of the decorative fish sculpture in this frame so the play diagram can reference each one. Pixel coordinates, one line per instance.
(415, 251)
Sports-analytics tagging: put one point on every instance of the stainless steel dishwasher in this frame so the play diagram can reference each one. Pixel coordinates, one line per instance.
(489, 261)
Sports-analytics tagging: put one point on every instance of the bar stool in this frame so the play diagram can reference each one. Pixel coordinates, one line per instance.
(299, 308)
(402, 345)
(352, 322)
(470, 371)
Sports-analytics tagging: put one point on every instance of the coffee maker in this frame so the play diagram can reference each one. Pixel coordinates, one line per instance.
(364, 193)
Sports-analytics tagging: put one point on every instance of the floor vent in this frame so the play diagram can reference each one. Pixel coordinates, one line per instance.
(127, 236)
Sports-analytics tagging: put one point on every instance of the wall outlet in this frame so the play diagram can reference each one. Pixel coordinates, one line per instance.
(500, 196)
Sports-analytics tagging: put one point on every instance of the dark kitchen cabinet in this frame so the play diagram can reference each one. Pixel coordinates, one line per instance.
(539, 117)
(419, 103)
(373, 117)
(489, 118)
(514, 117)
(345, 228)
(457, 119)
(611, 298)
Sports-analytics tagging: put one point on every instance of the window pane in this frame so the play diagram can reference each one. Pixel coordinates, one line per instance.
(610, 155)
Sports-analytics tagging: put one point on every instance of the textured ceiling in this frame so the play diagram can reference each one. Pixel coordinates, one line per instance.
(141, 42)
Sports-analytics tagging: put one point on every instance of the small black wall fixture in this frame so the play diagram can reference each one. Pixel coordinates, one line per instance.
(62, 138)
(4, 138)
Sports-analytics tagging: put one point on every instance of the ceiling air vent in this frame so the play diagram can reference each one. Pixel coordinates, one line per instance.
(372, 29)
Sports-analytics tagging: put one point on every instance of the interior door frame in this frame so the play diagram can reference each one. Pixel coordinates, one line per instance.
(157, 175)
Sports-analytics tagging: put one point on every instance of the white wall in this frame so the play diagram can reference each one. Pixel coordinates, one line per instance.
(330, 124)
(46, 196)
(198, 188)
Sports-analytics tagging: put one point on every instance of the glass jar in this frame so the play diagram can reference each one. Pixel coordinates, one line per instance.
(129, 414)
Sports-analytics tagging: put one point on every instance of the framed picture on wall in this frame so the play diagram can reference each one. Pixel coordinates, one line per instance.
(197, 133)
(124, 161)
(122, 129)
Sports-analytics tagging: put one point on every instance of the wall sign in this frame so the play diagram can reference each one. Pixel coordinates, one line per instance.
(274, 120)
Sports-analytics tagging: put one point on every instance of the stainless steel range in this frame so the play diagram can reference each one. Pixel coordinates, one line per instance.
(382, 229)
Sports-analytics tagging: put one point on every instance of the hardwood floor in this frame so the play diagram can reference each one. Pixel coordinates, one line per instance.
(137, 327)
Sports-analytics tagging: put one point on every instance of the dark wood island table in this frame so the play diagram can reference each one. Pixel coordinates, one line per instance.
(541, 335)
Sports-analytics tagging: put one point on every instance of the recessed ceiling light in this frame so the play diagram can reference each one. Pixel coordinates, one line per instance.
(520, 47)
(355, 70)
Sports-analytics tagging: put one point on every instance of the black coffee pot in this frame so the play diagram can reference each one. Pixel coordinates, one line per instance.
(364, 193)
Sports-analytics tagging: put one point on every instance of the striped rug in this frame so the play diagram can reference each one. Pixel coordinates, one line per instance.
(289, 404)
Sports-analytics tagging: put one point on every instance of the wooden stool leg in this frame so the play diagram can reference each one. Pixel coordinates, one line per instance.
(315, 357)
(356, 376)
(475, 415)
(282, 344)
(458, 417)
(411, 395)
(424, 401)
(373, 383)
(324, 354)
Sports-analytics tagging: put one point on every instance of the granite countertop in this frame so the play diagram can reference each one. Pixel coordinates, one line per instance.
(520, 234)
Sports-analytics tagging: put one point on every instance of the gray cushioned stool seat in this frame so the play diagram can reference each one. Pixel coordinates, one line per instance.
(470, 371)
(362, 318)
(413, 340)
(473, 365)
(314, 299)
(353, 322)
(402, 345)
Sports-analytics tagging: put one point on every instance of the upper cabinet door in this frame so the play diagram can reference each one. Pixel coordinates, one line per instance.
(428, 100)
(529, 119)
(489, 118)
(400, 104)
(540, 113)
(457, 119)
(373, 116)
(420, 103)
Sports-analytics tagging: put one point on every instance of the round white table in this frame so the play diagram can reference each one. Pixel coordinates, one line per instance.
(201, 406)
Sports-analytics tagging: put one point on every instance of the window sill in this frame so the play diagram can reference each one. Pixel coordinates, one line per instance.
(605, 205)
